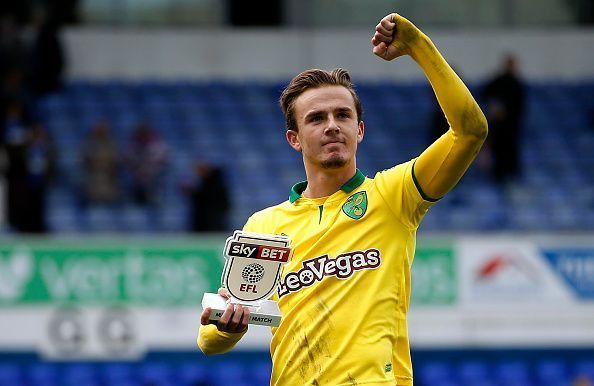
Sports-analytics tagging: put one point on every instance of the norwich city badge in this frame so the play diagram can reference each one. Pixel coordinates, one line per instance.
(356, 205)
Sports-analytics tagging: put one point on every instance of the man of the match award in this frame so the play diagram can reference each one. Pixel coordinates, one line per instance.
(253, 264)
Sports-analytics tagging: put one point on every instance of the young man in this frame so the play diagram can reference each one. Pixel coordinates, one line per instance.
(345, 294)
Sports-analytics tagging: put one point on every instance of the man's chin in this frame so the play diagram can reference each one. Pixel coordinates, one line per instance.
(334, 163)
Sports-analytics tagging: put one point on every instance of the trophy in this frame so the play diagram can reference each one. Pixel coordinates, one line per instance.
(252, 271)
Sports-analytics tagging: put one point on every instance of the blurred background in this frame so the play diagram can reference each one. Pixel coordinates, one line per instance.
(136, 135)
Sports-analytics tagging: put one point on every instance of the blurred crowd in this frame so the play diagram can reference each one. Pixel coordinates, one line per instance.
(32, 66)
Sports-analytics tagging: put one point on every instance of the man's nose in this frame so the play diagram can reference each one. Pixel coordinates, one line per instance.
(332, 126)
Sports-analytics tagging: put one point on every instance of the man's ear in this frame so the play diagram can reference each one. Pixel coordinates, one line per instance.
(361, 132)
(293, 139)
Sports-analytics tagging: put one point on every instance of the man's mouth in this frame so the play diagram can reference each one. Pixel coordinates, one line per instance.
(331, 142)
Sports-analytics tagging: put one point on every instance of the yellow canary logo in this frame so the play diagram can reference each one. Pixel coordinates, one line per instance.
(356, 205)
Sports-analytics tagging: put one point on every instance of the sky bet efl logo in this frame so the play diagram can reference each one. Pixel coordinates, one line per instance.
(253, 251)
(253, 265)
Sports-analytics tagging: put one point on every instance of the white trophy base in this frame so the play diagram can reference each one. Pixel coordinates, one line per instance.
(263, 313)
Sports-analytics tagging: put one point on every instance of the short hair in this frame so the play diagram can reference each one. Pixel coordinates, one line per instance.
(311, 79)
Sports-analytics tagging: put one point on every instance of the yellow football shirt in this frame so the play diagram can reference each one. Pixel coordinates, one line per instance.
(345, 294)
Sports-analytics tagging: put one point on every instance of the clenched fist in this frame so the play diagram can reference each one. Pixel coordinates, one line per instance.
(395, 36)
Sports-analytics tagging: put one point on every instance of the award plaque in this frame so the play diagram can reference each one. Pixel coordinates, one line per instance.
(252, 271)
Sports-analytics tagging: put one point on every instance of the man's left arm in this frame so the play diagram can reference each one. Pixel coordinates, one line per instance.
(441, 165)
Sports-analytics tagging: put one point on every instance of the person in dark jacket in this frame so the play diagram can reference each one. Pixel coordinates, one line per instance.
(504, 95)
(209, 199)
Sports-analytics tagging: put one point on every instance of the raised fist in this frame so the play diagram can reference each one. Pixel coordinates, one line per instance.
(394, 36)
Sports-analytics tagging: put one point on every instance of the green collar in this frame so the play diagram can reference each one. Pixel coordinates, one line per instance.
(348, 186)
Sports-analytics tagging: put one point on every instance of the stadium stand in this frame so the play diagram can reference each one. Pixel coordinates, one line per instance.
(455, 368)
(239, 126)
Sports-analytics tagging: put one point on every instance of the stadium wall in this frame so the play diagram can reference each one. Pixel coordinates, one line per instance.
(112, 297)
(96, 53)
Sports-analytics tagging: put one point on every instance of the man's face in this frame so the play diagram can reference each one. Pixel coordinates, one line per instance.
(328, 131)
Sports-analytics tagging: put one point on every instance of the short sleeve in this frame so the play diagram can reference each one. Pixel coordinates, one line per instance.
(400, 192)
(257, 223)
(250, 225)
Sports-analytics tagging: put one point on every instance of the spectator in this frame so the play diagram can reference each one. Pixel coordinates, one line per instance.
(12, 52)
(46, 57)
(101, 166)
(40, 160)
(505, 109)
(15, 141)
(28, 168)
(147, 160)
(209, 199)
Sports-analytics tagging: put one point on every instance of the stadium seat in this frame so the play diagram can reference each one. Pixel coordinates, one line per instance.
(585, 368)
(10, 374)
(474, 373)
(80, 375)
(229, 373)
(552, 373)
(433, 372)
(516, 373)
(192, 374)
(118, 373)
(156, 373)
(43, 374)
(260, 373)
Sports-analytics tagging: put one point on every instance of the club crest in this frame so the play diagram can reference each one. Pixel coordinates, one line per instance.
(356, 205)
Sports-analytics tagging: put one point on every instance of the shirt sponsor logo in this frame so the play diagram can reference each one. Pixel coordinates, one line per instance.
(316, 269)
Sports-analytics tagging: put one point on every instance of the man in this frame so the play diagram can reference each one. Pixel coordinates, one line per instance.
(505, 100)
(356, 235)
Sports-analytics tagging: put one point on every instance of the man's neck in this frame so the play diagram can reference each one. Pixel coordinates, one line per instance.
(327, 182)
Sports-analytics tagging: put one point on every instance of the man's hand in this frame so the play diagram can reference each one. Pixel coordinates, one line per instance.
(234, 319)
(395, 36)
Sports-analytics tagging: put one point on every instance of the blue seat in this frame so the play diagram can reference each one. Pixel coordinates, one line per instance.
(43, 374)
(10, 374)
(158, 373)
(437, 371)
(63, 218)
(80, 375)
(137, 219)
(585, 368)
(261, 373)
(474, 372)
(552, 373)
(228, 373)
(513, 373)
(101, 219)
(118, 373)
(192, 373)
